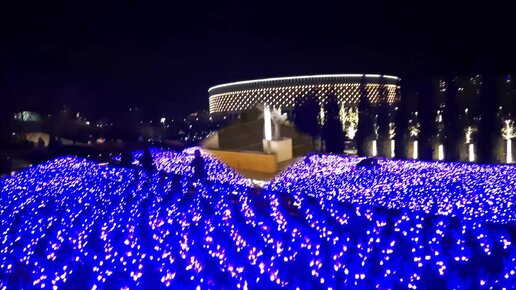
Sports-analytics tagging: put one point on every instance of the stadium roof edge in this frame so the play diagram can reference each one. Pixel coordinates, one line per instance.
(300, 77)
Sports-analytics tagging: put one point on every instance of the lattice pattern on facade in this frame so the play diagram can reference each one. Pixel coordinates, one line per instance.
(284, 97)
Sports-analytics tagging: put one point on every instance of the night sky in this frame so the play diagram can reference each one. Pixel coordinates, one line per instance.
(163, 57)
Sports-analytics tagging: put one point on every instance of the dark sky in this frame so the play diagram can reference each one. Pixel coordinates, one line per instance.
(163, 56)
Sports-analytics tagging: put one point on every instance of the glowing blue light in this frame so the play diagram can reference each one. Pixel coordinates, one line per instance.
(323, 223)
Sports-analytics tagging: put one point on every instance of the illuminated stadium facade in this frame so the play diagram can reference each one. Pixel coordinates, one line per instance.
(282, 92)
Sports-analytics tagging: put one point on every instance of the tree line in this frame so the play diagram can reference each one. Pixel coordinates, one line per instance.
(444, 116)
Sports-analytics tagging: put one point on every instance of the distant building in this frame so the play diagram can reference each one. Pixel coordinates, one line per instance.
(233, 98)
(27, 116)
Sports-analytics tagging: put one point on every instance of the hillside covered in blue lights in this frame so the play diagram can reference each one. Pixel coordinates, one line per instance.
(323, 223)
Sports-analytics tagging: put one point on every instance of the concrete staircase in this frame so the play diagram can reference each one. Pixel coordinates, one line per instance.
(247, 135)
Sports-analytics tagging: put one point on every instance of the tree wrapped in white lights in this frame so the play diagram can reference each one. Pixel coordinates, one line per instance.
(508, 133)
(414, 129)
(471, 146)
(278, 119)
(349, 119)
(469, 133)
(275, 117)
(322, 117)
(392, 135)
(342, 114)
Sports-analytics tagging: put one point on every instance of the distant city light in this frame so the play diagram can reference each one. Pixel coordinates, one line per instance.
(441, 152)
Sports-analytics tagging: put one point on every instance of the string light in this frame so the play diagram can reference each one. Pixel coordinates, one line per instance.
(471, 152)
(322, 223)
(508, 132)
(282, 92)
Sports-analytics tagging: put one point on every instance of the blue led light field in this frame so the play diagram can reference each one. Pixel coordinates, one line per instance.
(321, 224)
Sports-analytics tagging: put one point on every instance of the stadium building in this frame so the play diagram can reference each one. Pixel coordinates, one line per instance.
(232, 98)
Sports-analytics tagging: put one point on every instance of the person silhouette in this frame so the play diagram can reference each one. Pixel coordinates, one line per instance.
(41, 143)
(198, 166)
(147, 162)
(126, 159)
